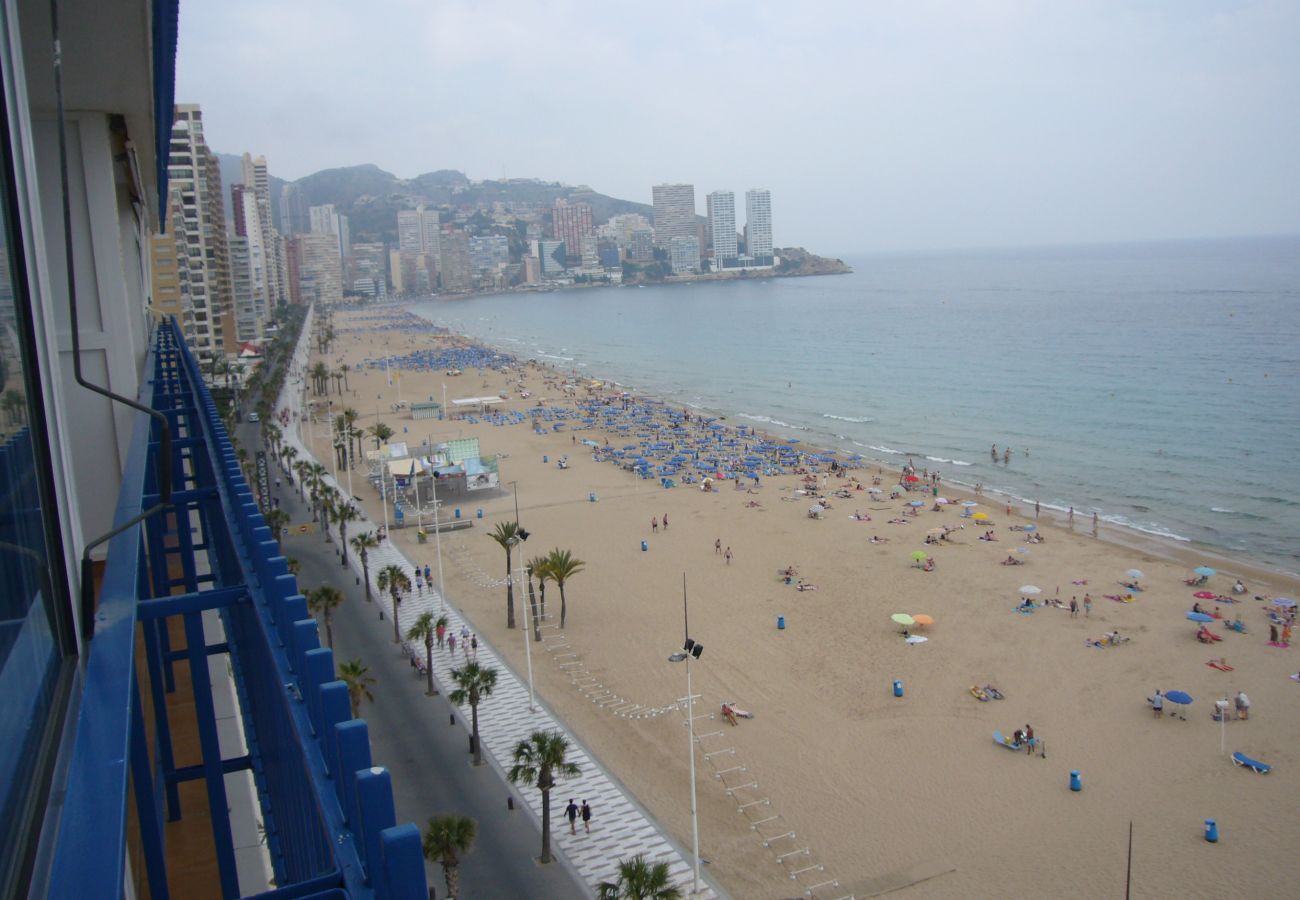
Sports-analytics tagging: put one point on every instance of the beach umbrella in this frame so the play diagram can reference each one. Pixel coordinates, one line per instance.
(1205, 595)
(1182, 698)
(919, 555)
(901, 488)
(916, 639)
(936, 531)
(912, 479)
(874, 490)
(1204, 570)
(1030, 527)
(942, 501)
(969, 503)
(981, 516)
(923, 619)
(1200, 617)
(1134, 573)
(1030, 589)
(917, 503)
(903, 619)
(1284, 602)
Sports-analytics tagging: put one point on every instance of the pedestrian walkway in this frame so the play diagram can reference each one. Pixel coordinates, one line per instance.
(621, 828)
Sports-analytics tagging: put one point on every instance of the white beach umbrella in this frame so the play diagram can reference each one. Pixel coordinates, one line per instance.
(1030, 589)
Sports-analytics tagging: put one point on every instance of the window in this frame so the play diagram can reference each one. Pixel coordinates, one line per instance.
(36, 641)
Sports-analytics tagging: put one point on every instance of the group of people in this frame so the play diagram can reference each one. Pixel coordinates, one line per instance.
(1026, 737)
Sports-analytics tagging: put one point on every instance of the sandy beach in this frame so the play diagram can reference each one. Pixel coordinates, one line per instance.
(885, 792)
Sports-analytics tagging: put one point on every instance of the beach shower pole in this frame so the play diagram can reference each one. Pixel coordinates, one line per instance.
(437, 538)
(690, 649)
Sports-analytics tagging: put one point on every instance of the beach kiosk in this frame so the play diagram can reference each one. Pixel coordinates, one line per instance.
(425, 409)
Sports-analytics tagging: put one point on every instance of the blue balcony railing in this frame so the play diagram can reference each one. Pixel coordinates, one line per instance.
(328, 814)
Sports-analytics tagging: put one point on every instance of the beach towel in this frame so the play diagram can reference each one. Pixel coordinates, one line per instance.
(978, 694)
(1220, 665)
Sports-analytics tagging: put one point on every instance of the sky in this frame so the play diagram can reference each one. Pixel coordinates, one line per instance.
(877, 126)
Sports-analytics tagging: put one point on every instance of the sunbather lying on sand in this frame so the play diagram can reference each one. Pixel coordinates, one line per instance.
(898, 522)
(878, 540)
(1013, 561)
(805, 586)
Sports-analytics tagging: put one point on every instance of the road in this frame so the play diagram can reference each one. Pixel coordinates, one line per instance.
(411, 736)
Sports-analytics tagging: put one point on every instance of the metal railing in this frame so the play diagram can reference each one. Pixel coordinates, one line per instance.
(327, 812)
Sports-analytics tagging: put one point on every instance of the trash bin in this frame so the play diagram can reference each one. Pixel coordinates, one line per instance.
(645, 546)
(898, 688)
(780, 623)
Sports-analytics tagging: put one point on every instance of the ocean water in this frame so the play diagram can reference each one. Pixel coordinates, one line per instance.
(1156, 384)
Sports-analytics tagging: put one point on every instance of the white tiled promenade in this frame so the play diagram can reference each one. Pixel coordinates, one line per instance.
(620, 827)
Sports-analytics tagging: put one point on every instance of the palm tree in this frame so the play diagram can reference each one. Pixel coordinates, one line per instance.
(287, 456)
(344, 370)
(424, 629)
(350, 417)
(358, 679)
(534, 566)
(539, 760)
(319, 376)
(445, 840)
(381, 433)
(542, 572)
(506, 534)
(640, 880)
(338, 382)
(395, 581)
(329, 498)
(363, 543)
(473, 683)
(293, 566)
(562, 566)
(343, 514)
(324, 599)
(276, 520)
(300, 468)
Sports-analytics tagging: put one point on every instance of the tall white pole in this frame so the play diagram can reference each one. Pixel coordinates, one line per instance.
(437, 537)
(528, 652)
(348, 437)
(383, 490)
(695, 819)
(334, 456)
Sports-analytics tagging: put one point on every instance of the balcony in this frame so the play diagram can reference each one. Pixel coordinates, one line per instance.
(192, 576)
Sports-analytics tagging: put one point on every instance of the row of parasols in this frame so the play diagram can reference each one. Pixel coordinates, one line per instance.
(908, 621)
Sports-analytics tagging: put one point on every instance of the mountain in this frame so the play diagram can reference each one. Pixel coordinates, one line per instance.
(371, 197)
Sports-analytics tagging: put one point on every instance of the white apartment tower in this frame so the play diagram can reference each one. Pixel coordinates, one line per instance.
(722, 222)
(196, 245)
(758, 224)
(674, 206)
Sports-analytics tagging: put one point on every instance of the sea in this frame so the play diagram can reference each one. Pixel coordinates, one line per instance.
(1156, 384)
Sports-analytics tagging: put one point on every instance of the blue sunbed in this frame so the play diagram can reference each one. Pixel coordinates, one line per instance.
(1241, 759)
(1003, 742)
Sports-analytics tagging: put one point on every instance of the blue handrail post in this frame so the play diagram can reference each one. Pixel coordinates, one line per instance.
(335, 708)
(403, 863)
(352, 744)
(375, 801)
(318, 669)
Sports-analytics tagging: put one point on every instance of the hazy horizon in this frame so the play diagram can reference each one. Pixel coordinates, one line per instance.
(881, 127)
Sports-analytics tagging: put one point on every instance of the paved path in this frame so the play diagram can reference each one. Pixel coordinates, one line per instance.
(621, 827)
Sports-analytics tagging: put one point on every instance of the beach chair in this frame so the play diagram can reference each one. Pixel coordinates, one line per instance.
(1003, 742)
(1241, 759)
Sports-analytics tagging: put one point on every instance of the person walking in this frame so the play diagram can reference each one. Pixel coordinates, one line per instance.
(586, 816)
(654, 524)
(1074, 607)
(473, 646)
(451, 645)
(665, 521)
(727, 555)
(572, 812)
(717, 546)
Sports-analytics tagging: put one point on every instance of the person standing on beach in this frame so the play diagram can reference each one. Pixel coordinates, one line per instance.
(654, 524)
(1071, 517)
(1037, 509)
(1008, 507)
(717, 546)
(728, 556)
(1158, 704)
(1087, 606)
(1094, 524)
(586, 816)
(665, 521)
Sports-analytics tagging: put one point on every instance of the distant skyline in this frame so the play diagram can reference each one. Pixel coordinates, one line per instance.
(876, 126)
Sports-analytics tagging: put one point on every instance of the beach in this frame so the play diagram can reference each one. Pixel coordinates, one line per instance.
(883, 791)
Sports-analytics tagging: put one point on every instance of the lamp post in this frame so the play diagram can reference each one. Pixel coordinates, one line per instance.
(690, 650)
(437, 539)
(521, 535)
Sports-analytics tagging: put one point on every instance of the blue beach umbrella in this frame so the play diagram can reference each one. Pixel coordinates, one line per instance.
(1204, 570)
(917, 503)
(1031, 528)
(969, 503)
(1200, 617)
(1179, 697)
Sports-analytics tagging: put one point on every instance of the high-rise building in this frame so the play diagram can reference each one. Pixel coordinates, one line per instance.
(758, 225)
(571, 224)
(722, 222)
(293, 211)
(454, 263)
(489, 253)
(202, 257)
(641, 246)
(553, 256)
(674, 206)
(320, 269)
(248, 321)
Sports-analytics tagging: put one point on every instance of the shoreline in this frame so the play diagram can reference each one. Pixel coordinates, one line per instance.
(1123, 535)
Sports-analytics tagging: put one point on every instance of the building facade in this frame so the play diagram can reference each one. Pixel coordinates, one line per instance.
(454, 268)
(758, 225)
(674, 206)
(320, 269)
(684, 255)
(572, 223)
(722, 223)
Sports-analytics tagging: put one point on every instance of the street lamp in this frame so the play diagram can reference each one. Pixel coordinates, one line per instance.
(690, 650)
(521, 535)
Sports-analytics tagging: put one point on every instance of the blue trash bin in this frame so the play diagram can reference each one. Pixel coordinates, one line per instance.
(458, 512)
(898, 688)
(1211, 831)
(479, 513)
(545, 458)
(1076, 784)
(591, 497)
(780, 623)
(645, 546)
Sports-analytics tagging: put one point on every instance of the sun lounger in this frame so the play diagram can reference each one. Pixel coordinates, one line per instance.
(993, 692)
(1003, 742)
(978, 694)
(1241, 759)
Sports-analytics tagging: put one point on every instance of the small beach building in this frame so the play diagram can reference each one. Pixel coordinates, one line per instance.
(425, 409)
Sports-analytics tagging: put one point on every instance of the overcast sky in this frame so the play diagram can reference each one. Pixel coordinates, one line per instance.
(876, 125)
